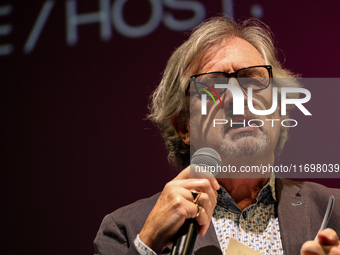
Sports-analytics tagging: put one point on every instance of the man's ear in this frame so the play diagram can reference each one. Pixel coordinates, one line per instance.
(181, 128)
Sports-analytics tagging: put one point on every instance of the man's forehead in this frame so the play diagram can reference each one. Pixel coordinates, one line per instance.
(228, 56)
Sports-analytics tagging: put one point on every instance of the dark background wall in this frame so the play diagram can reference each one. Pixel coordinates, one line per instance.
(75, 142)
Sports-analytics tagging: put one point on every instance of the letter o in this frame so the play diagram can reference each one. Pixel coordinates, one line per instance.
(255, 120)
(137, 31)
(289, 120)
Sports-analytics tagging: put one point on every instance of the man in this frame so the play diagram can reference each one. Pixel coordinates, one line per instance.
(270, 215)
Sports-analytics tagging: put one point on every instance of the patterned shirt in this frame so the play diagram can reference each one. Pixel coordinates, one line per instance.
(257, 226)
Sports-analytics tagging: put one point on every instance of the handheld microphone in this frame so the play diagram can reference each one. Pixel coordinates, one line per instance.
(185, 238)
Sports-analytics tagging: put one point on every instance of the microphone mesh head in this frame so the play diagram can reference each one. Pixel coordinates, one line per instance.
(206, 157)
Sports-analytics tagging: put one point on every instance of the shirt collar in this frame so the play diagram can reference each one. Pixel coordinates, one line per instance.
(266, 195)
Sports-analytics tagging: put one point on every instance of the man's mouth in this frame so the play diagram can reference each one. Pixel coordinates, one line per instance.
(244, 123)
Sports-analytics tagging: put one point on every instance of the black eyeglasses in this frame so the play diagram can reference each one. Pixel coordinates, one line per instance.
(256, 77)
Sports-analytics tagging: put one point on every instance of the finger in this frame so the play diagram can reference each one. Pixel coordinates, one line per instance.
(176, 190)
(312, 248)
(197, 171)
(184, 208)
(203, 185)
(194, 174)
(328, 237)
(334, 250)
(206, 212)
(204, 221)
(207, 204)
(204, 200)
(185, 174)
(208, 195)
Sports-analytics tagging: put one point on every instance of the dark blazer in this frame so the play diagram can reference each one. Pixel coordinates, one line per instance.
(301, 208)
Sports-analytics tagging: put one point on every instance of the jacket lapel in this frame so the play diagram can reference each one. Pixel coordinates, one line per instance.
(294, 216)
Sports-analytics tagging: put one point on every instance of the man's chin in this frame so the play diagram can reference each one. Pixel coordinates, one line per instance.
(245, 145)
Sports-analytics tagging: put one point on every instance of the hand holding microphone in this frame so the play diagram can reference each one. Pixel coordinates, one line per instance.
(185, 238)
(175, 205)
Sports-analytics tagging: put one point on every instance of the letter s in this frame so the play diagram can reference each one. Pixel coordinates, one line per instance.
(183, 25)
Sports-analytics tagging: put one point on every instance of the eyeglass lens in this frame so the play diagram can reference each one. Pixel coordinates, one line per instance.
(255, 77)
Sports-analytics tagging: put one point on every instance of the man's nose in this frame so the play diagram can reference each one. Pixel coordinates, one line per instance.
(228, 99)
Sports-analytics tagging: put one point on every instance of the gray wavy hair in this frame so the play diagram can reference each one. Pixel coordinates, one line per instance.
(169, 99)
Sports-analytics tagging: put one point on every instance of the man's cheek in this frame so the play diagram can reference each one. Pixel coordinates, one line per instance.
(277, 115)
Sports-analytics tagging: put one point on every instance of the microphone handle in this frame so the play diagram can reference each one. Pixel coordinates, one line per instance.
(185, 238)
